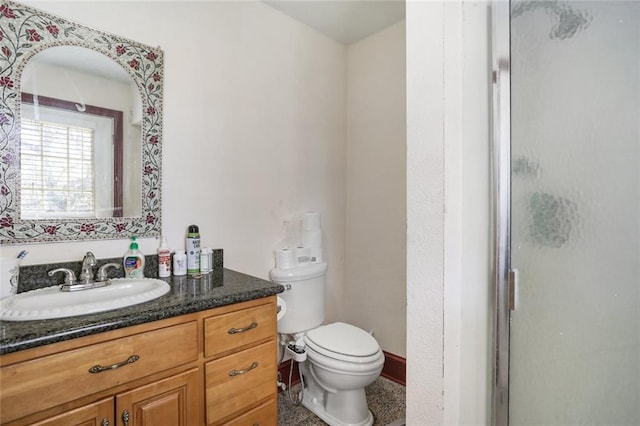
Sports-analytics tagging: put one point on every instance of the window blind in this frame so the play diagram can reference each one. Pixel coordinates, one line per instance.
(57, 164)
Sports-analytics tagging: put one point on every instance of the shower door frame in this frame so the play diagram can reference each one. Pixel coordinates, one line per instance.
(504, 286)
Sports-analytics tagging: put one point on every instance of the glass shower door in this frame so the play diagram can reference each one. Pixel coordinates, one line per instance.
(575, 213)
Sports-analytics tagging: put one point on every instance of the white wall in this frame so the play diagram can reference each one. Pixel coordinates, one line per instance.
(448, 204)
(473, 168)
(425, 212)
(245, 152)
(254, 128)
(376, 187)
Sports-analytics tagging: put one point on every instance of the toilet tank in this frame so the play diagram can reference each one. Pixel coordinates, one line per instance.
(303, 295)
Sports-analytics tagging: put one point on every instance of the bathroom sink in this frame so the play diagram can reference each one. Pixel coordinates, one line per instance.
(50, 302)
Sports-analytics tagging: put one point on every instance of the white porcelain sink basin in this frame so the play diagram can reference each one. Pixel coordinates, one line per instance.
(50, 302)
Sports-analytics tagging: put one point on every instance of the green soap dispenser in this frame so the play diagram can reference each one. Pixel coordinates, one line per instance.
(133, 261)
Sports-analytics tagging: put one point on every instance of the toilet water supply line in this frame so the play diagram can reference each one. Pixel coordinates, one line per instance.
(281, 345)
(295, 348)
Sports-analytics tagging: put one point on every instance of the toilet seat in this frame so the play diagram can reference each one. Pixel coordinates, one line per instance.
(343, 342)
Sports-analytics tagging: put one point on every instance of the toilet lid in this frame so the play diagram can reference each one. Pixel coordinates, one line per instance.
(343, 339)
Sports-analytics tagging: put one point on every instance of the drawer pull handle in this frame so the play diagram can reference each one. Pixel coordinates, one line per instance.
(242, 330)
(246, 370)
(99, 368)
(105, 422)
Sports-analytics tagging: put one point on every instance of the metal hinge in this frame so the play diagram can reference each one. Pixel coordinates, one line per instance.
(512, 286)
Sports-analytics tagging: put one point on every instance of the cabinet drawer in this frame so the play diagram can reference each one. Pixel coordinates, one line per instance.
(237, 381)
(42, 383)
(226, 332)
(263, 415)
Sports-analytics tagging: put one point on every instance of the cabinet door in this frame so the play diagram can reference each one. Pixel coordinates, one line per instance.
(169, 402)
(99, 413)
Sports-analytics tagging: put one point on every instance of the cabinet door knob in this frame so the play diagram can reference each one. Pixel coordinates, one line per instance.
(125, 417)
(105, 422)
(243, 329)
(246, 370)
(99, 368)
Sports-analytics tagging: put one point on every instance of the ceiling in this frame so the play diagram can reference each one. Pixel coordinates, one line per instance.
(346, 21)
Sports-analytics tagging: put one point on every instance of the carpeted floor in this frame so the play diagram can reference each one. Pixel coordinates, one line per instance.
(386, 401)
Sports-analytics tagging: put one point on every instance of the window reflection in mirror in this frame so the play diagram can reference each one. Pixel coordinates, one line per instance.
(81, 137)
(70, 159)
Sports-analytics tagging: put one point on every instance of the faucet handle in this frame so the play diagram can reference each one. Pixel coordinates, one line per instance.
(102, 271)
(70, 277)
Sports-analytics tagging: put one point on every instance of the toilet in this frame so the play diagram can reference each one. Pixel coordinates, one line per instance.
(341, 359)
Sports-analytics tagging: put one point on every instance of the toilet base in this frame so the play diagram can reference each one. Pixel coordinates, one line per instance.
(319, 411)
(345, 408)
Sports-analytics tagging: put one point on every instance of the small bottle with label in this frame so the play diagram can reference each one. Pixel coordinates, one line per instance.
(164, 259)
(179, 263)
(133, 261)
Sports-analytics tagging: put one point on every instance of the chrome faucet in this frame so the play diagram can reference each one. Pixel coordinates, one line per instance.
(85, 280)
(86, 273)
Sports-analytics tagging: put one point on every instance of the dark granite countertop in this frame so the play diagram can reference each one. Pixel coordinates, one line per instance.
(187, 295)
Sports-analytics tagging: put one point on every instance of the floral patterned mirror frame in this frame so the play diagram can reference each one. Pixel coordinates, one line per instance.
(25, 31)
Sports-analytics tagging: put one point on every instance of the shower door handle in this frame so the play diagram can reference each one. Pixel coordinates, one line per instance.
(512, 288)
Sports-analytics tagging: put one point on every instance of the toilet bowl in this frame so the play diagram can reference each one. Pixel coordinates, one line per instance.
(341, 359)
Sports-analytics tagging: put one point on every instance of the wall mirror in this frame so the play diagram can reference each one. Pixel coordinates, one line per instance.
(80, 131)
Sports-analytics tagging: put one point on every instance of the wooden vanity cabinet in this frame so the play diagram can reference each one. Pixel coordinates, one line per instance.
(212, 367)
